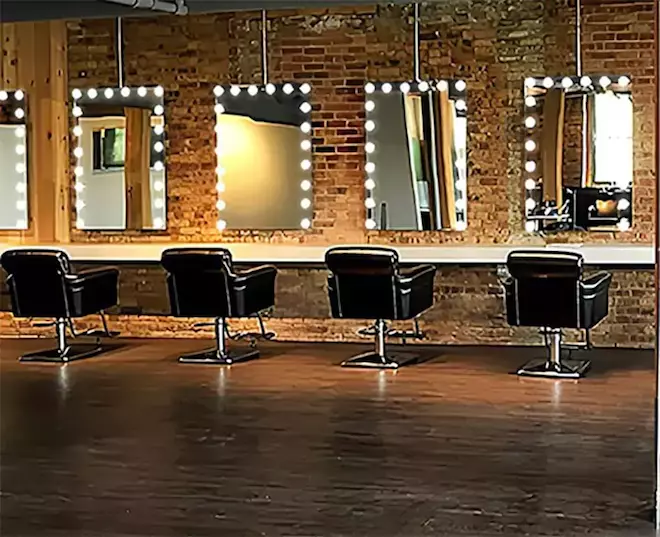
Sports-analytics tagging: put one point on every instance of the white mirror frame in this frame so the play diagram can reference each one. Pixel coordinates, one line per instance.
(21, 166)
(531, 145)
(223, 92)
(460, 88)
(159, 130)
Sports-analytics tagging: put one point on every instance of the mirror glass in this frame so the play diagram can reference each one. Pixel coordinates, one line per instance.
(13, 160)
(264, 148)
(416, 168)
(120, 176)
(578, 162)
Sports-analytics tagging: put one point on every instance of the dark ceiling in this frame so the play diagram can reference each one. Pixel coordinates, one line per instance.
(30, 10)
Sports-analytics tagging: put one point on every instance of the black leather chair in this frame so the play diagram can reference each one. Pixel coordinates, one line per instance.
(366, 282)
(43, 285)
(547, 290)
(202, 282)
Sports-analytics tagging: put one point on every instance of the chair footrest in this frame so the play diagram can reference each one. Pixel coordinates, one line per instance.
(267, 336)
(98, 333)
(406, 334)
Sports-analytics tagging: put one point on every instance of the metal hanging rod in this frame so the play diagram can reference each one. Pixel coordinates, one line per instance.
(119, 50)
(416, 61)
(264, 47)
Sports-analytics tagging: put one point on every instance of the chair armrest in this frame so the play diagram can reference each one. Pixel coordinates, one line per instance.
(596, 284)
(409, 275)
(262, 272)
(105, 274)
(93, 290)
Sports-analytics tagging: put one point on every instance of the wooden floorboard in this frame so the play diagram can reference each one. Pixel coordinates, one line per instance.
(134, 444)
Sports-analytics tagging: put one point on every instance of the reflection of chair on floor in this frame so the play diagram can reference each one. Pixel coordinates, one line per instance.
(547, 290)
(367, 283)
(202, 282)
(42, 285)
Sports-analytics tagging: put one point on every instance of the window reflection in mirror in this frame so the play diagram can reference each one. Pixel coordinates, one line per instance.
(264, 148)
(13, 160)
(120, 177)
(416, 169)
(578, 164)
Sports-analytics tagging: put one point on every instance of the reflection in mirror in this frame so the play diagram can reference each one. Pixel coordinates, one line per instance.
(416, 169)
(120, 178)
(264, 153)
(578, 169)
(13, 161)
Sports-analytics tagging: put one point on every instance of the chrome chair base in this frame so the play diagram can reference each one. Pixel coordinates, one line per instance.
(214, 357)
(373, 360)
(70, 353)
(566, 369)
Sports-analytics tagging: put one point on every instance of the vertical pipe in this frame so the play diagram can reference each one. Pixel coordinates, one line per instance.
(264, 47)
(380, 339)
(578, 72)
(416, 62)
(221, 343)
(656, 503)
(578, 38)
(119, 50)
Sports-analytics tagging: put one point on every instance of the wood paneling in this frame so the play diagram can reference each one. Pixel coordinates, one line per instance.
(34, 59)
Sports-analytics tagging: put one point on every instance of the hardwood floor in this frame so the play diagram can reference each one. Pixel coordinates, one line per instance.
(133, 444)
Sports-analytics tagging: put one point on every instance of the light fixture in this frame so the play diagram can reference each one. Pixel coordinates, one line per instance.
(4, 95)
(288, 89)
(369, 88)
(19, 113)
(306, 127)
(370, 223)
(306, 185)
(530, 101)
(270, 89)
(218, 91)
(253, 90)
(108, 93)
(77, 131)
(159, 147)
(460, 105)
(18, 95)
(159, 110)
(142, 91)
(370, 106)
(567, 82)
(370, 125)
(305, 223)
(530, 226)
(530, 166)
(405, 87)
(370, 167)
(159, 130)
(221, 225)
(530, 184)
(305, 107)
(125, 92)
(158, 186)
(159, 203)
(530, 204)
(80, 205)
(159, 91)
(585, 81)
(79, 171)
(623, 81)
(159, 223)
(220, 187)
(530, 122)
(306, 145)
(548, 82)
(604, 81)
(79, 187)
(305, 203)
(20, 167)
(78, 152)
(423, 86)
(221, 205)
(77, 111)
(76, 94)
(235, 91)
(530, 145)
(443, 85)
(623, 204)
(460, 85)
(305, 164)
(387, 87)
(623, 224)
(370, 203)
(92, 93)
(305, 88)
(219, 109)
(370, 184)
(158, 166)
(21, 187)
(370, 147)
(530, 82)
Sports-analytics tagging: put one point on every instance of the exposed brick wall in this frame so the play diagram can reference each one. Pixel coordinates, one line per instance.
(492, 44)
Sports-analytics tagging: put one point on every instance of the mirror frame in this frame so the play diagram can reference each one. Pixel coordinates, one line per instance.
(224, 92)
(80, 98)
(18, 104)
(531, 145)
(458, 88)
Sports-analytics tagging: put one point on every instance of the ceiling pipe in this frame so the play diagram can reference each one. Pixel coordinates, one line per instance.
(176, 7)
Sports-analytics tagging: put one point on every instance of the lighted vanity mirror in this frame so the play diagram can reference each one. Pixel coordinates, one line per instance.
(578, 153)
(416, 147)
(264, 149)
(120, 177)
(13, 161)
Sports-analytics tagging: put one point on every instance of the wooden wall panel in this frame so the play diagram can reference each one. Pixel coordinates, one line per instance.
(34, 59)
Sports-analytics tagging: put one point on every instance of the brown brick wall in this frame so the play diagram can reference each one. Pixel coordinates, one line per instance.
(492, 44)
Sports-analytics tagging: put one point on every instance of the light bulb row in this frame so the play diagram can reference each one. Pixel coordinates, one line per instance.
(224, 92)
(21, 182)
(404, 87)
(568, 82)
(78, 152)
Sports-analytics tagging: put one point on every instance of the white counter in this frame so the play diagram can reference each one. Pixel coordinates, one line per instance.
(615, 254)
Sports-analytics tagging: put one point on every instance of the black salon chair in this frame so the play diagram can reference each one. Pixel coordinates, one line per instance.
(202, 282)
(43, 285)
(367, 283)
(547, 290)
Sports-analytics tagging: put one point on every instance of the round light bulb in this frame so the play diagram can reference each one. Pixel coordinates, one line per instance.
(460, 105)
(108, 93)
(370, 167)
(78, 152)
(548, 82)
(253, 90)
(530, 184)
(221, 205)
(218, 91)
(370, 125)
(370, 106)
(530, 204)
(305, 108)
(530, 122)
(369, 88)
(604, 81)
(530, 101)
(79, 187)
(20, 149)
(159, 223)
(288, 89)
(305, 203)
(530, 226)
(370, 203)
(220, 187)
(142, 91)
(566, 82)
(370, 223)
(77, 131)
(19, 113)
(159, 203)
(370, 184)
(159, 147)
(306, 127)
(235, 91)
(460, 85)
(77, 111)
(79, 171)
(20, 167)
(158, 186)
(270, 89)
(585, 81)
(623, 81)
(4, 95)
(159, 110)
(443, 85)
(387, 87)
(20, 132)
(219, 109)
(530, 145)
(76, 94)
(530, 82)
(623, 225)
(221, 225)
(21, 188)
(405, 87)
(19, 95)
(305, 88)
(80, 205)
(125, 92)
(423, 86)
(370, 147)
(305, 164)
(305, 223)
(159, 91)
(158, 166)
(306, 185)
(92, 93)
(306, 145)
(623, 204)
(159, 130)
(530, 166)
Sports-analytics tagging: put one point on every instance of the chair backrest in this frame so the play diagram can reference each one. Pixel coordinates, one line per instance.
(362, 283)
(199, 281)
(546, 288)
(37, 282)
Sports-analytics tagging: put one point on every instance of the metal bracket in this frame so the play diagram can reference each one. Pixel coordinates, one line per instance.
(404, 335)
(252, 337)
